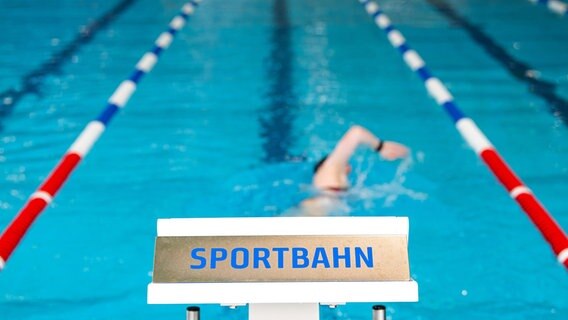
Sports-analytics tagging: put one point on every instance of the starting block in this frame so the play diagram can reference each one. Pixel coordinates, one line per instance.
(284, 267)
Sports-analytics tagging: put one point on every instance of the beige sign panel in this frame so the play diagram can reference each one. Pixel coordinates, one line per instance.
(279, 259)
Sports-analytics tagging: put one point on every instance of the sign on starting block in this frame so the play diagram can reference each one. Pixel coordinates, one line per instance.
(283, 268)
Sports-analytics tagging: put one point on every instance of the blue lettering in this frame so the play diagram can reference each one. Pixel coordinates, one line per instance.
(346, 257)
(320, 257)
(234, 260)
(280, 252)
(360, 255)
(195, 256)
(299, 258)
(261, 255)
(217, 255)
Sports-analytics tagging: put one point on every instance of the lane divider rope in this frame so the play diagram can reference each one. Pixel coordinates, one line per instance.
(542, 219)
(555, 6)
(37, 202)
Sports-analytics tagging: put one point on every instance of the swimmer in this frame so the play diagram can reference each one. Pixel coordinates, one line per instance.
(332, 171)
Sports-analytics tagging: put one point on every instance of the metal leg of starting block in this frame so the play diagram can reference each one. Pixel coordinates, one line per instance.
(286, 311)
(192, 313)
(379, 312)
(283, 311)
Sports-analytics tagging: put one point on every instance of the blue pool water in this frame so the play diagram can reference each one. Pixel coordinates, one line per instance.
(231, 120)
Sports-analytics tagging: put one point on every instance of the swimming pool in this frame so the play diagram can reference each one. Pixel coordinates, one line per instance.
(206, 134)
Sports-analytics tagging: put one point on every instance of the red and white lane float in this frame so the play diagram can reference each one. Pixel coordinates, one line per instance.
(541, 218)
(37, 202)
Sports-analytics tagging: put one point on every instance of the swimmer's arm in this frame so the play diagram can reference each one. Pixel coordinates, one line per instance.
(357, 136)
(354, 137)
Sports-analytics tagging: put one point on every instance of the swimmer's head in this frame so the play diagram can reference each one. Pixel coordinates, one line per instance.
(322, 160)
(319, 163)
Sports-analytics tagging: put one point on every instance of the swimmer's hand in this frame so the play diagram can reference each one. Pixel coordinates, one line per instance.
(393, 151)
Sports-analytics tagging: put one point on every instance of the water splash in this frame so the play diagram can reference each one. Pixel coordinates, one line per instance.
(342, 204)
(390, 191)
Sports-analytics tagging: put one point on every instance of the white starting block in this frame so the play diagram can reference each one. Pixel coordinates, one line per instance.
(283, 268)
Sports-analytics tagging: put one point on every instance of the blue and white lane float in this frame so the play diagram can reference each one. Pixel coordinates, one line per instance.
(551, 231)
(555, 6)
(37, 202)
